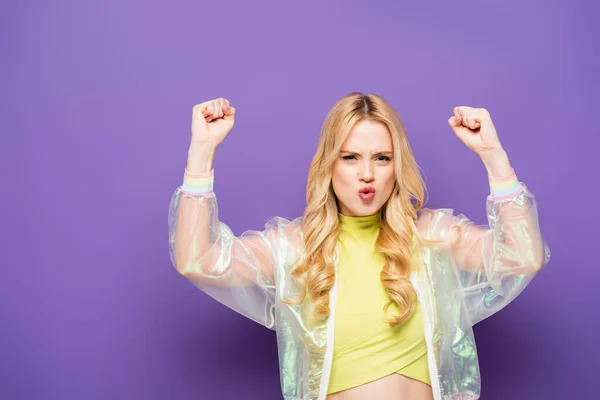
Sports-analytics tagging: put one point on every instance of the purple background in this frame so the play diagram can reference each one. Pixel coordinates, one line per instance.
(95, 115)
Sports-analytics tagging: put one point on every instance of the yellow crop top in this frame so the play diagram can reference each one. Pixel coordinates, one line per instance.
(366, 347)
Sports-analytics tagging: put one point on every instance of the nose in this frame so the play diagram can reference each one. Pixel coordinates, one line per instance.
(366, 172)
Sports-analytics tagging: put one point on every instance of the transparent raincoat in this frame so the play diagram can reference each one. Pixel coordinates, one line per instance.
(459, 284)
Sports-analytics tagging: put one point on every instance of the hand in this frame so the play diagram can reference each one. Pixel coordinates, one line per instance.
(212, 121)
(475, 128)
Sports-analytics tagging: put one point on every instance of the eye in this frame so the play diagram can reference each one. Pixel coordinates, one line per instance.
(383, 158)
(350, 157)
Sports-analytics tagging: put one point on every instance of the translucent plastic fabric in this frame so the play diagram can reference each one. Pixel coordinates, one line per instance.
(459, 284)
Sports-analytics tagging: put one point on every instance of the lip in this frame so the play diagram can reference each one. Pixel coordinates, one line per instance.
(366, 189)
(367, 193)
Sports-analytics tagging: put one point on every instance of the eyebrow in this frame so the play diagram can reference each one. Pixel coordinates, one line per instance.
(375, 152)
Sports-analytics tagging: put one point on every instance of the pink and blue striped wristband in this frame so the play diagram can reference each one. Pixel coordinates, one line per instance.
(505, 188)
(198, 184)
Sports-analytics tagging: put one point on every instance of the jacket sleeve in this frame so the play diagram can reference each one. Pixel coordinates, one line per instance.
(236, 271)
(494, 263)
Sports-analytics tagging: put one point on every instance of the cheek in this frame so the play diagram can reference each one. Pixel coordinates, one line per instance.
(340, 180)
(389, 180)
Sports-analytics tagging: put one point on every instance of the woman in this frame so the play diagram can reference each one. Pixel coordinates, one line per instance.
(371, 295)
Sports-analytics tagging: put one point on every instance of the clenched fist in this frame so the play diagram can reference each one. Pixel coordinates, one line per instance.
(212, 121)
(474, 127)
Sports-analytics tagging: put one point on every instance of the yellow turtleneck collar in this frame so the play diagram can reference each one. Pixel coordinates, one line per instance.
(361, 223)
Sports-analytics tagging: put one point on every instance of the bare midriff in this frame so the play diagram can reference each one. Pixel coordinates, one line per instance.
(391, 387)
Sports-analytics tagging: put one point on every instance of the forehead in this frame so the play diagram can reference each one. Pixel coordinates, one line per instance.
(367, 135)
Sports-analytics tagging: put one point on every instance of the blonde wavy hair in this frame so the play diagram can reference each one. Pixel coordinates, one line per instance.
(398, 236)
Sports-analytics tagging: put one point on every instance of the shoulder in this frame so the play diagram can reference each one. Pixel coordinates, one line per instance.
(435, 223)
(286, 231)
(285, 226)
(428, 218)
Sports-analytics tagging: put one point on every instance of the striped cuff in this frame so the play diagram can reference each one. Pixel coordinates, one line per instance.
(198, 184)
(505, 188)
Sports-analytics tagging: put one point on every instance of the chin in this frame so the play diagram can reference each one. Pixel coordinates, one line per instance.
(363, 210)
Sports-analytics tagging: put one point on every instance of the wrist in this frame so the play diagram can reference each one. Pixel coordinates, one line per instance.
(503, 181)
(496, 163)
(200, 157)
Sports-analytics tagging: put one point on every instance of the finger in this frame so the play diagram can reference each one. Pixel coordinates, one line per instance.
(210, 111)
(481, 114)
(219, 107)
(225, 107)
(463, 110)
(456, 127)
(456, 111)
(468, 116)
(459, 116)
(454, 121)
(199, 109)
(470, 122)
(229, 113)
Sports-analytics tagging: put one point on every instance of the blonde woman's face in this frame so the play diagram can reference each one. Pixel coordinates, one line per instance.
(363, 174)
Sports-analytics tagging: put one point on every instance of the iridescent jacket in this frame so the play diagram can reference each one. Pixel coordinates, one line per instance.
(458, 285)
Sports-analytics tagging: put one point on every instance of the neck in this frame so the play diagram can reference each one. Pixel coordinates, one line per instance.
(359, 223)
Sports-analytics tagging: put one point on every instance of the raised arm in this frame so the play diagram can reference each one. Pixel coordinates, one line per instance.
(236, 271)
(495, 262)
